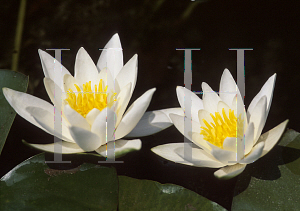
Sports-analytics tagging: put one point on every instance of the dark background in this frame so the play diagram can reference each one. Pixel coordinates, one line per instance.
(153, 30)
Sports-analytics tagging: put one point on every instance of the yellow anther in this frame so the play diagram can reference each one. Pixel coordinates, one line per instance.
(223, 126)
(85, 100)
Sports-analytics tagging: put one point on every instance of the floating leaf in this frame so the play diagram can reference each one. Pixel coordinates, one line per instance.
(273, 182)
(18, 82)
(32, 185)
(148, 195)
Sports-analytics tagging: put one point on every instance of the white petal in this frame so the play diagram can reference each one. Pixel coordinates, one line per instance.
(225, 156)
(258, 117)
(75, 119)
(85, 69)
(153, 122)
(222, 105)
(48, 64)
(271, 137)
(121, 147)
(69, 82)
(204, 115)
(112, 56)
(229, 172)
(178, 121)
(228, 88)
(175, 152)
(104, 125)
(65, 147)
(50, 89)
(266, 90)
(122, 102)
(91, 116)
(249, 138)
(255, 153)
(230, 144)
(134, 114)
(193, 134)
(199, 158)
(196, 103)
(239, 109)
(210, 99)
(85, 139)
(128, 74)
(20, 101)
(200, 142)
(108, 80)
(167, 151)
(46, 120)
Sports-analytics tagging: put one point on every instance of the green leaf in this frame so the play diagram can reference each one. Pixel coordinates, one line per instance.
(272, 182)
(33, 186)
(18, 82)
(148, 195)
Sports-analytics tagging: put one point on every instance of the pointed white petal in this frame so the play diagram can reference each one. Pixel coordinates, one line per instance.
(225, 156)
(228, 88)
(104, 125)
(48, 65)
(75, 119)
(193, 134)
(69, 82)
(20, 101)
(210, 99)
(204, 115)
(167, 151)
(134, 114)
(254, 154)
(258, 117)
(112, 56)
(121, 147)
(196, 103)
(85, 139)
(249, 138)
(229, 172)
(128, 74)
(266, 90)
(66, 147)
(200, 158)
(85, 69)
(153, 122)
(175, 152)
(222, 105)
(108, 80)
(271, 137)
(230, 144)
(50, 88)
(238, 106)
(178, 121)
(200, 142)
(122, 99)
(46, 120)
(91, 116)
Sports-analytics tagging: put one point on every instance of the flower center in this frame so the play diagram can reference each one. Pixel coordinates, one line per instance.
(85, 100)
(221, 128)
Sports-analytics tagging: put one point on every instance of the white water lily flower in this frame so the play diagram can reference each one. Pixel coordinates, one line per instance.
(94, 98)
(218, 127)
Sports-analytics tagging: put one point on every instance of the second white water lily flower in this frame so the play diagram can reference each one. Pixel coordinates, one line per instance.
(94, 102)
(218, 127)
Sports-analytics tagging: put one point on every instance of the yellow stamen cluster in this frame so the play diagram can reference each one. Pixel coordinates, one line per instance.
(221, 128)
(84, 101)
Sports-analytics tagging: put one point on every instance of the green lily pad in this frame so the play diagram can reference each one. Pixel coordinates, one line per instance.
(18, 82)
(272, 182)
(148, 195)
(32, 185)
